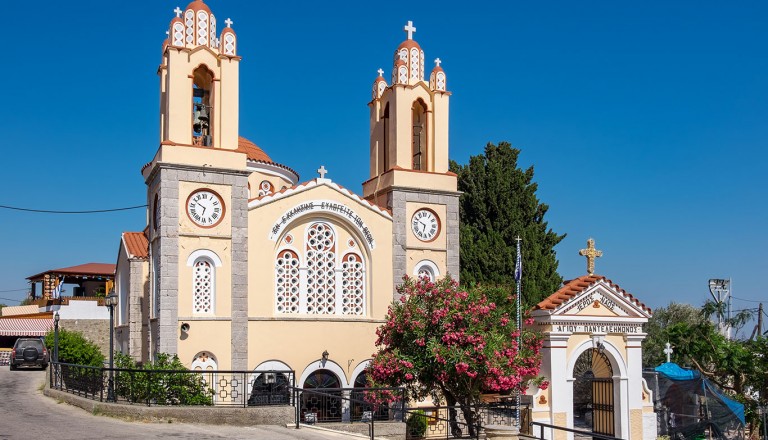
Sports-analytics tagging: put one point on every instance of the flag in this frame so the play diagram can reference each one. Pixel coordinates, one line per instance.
(518, 263)
(57, 291)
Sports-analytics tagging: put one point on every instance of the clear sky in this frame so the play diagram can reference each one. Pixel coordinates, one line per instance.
(646, 122)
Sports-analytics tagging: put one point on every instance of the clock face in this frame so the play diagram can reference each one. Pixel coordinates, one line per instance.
(425, 225)
(205, 208)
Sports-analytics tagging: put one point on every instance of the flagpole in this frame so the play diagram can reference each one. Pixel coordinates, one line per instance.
(518, 278)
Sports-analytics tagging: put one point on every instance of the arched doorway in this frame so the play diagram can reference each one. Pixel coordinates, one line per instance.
(270, 388)
(322, 401)
(593, 398)
(358, 410)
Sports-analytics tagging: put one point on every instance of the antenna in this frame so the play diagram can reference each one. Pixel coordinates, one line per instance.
(720, 289)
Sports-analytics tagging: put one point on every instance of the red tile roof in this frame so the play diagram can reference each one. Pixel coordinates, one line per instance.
(99, 269)
(251, 150)
(136, 244)
(574, 287)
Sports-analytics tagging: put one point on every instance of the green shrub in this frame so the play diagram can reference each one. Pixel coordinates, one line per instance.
(156, 383)
(416, 425)
(74, 348)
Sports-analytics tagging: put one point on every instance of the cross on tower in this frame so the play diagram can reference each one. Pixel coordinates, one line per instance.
(228, 22)
(668, 351)
(591, 253)
(381, 72)
(178, 12)
(409, 29)
(437, 62)
(322, 171)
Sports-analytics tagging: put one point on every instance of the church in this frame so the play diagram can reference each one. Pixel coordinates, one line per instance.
(243, 265)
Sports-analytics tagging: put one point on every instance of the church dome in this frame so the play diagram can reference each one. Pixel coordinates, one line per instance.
(251, 150)
(258, 160)
(198, 5)
(195, 26)
(437, 78)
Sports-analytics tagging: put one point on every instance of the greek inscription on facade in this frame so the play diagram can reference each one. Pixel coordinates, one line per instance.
(323, 206)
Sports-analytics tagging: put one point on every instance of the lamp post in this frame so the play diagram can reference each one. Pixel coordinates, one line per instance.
(56, 337)
(111, 301)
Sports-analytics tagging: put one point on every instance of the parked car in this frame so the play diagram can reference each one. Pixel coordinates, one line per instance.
(29, 352)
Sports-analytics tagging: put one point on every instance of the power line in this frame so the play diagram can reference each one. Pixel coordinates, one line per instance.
(14, 290)
(9, 299)
(94, 211)
(747, 300)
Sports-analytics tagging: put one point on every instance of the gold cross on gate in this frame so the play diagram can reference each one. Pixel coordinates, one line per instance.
(591, 253)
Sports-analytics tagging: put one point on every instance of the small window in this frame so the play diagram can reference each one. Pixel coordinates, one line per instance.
(419, 135)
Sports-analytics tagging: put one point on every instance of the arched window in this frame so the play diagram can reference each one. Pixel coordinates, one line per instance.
(384, 157)
(352, 286)
(202, 108)
(426, 268)
(203, 286)
(287, 282)
(419, 135)
(324, 283)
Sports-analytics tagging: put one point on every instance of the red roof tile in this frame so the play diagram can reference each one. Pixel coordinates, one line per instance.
(136, 244)
(574, 287)
(102, 269)
(251, 150)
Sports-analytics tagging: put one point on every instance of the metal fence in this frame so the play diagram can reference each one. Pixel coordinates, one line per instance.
(450, 422)
(320, 405)
(175, 387)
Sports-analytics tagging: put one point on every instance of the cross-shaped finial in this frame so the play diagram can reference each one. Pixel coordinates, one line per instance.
(591, 253)
(668, 351)
(518, 239)
(409, 29)
(178, 12)
(437, 62)
(381, 72)
(322, 171)
(228, 21)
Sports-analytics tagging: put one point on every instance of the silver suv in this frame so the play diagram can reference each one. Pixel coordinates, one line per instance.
(29, 352)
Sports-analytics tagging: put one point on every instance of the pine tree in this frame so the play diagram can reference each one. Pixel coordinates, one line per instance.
(498, 204)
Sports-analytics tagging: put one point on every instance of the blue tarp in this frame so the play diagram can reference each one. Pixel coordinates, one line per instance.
(675, 372)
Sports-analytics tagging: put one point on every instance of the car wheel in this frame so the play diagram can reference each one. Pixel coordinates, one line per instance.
(13, 367)
(44, 366)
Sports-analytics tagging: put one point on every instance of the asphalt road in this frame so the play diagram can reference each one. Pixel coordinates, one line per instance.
(25, 413)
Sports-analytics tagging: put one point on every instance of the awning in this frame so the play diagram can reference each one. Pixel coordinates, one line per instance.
(25, 327)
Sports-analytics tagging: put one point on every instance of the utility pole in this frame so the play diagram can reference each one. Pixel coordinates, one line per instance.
(760, 320)
(720, 289)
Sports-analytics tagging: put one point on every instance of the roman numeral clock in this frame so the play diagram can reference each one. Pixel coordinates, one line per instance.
(205, 208)
(425, 225)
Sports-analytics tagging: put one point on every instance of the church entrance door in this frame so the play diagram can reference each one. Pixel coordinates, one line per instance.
(593, 396)
(321, 401)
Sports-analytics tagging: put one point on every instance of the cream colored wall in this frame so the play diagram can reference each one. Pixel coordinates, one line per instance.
(579, 338)
(262, 251)
(212, 337)
(300, 343)
(437, 257)
(409, 179)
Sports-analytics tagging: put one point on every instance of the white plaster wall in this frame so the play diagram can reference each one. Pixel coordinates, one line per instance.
(80, 310)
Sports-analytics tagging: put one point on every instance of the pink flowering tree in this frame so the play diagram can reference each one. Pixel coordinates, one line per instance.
(453, 345)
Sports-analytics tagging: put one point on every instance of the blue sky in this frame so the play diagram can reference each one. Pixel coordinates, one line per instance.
(645, 121)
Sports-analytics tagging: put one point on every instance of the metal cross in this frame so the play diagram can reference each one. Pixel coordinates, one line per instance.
(591, 253)
(178, 12)
(437, 62)
(381, 72)
(668, 351)
(409, 29)
(228, 22)
(322, 171)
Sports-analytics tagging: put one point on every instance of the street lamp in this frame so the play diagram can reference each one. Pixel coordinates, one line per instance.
(56, 337)
(111, 302)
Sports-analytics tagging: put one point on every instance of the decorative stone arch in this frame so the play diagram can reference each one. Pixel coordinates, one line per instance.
(194, 255)
(427, 266)
(359, 369)
(269, 384)
(319, 364)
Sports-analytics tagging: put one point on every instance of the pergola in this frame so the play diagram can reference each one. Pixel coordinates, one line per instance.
(92, 280)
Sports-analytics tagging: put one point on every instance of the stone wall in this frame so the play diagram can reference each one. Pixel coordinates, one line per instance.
(95, 330)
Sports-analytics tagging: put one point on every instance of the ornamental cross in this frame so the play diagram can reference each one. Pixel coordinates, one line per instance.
(228, 22)
(409, 29)
(381, 72)
(591, 253)
(178, 12)
(322, 171)
(437, 62)
(668, 351)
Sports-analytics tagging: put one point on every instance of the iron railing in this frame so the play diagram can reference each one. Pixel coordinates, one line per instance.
(319, 405)
(176, 387)
(542, 426)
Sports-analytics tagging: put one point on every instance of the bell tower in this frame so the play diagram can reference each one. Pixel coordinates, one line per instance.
(197, 193)
(409, 164)
(199, 78)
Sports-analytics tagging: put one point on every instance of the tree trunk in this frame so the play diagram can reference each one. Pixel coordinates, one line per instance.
(451, 402)
(470, 417)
